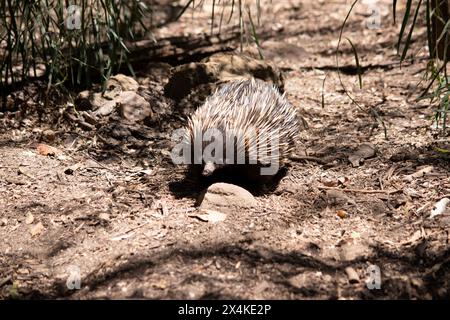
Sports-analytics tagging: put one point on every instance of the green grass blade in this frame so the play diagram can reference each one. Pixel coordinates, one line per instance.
(408, 39)
(394, 9)
(232, 11)
(183, 10)
(212, 15)
(404, 23)
(358, 67)
(429, 34)
(323, 91)
(444, 151)
(254, 34)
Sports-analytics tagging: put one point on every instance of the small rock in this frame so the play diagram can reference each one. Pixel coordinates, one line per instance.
(29, 219)
(133, 107)
(123, 82)
(224, 196)
(260, 289)
(298, 281)
(10, 102)
(97, 99)
(112, 94)
(49, 135)
(161, 106)
(186, 78)
(194, 291)
(229, 66)
(156, 71)
(3, 222)
(106, 108)
(218, 68)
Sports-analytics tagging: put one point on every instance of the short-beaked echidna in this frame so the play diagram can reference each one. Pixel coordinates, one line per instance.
(246, 125)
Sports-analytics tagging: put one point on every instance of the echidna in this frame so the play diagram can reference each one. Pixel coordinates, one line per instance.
(246, 126)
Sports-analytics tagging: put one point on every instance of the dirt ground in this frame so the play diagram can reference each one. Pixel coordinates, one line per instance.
(121, 218)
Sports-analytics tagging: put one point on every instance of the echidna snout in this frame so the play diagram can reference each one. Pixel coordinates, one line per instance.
(208, 169)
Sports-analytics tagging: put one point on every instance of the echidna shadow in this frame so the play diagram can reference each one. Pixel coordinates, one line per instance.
(263, 129)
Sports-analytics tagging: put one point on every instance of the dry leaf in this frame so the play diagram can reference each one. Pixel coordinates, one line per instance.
(342, 214)
(343, 180)
(329, 183)
(46, 150)
(37, 229)
(72, 168)
(24, 172)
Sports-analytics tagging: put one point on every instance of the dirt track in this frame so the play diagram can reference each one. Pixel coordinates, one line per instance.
(122, 219)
